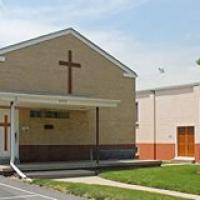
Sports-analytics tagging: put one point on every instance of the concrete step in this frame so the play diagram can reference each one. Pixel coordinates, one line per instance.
(59, 174)
(87, 165)
(6, 170)
(54, 166)
(183, 160)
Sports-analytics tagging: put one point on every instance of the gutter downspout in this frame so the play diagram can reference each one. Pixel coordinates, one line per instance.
(12, 152)
(154, 126)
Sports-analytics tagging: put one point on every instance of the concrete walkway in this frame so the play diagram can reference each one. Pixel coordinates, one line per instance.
(101, 181)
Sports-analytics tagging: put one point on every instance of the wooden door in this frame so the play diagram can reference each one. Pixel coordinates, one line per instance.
(186, 141)
(190, 141)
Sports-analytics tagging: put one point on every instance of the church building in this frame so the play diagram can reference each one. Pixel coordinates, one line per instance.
(62, 98)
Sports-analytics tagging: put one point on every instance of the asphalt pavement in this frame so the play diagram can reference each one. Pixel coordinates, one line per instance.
(11, 189)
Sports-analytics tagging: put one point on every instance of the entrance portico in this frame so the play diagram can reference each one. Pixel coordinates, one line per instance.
(16, 104)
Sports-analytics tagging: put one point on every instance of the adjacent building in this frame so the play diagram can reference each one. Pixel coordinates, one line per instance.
(168, 122)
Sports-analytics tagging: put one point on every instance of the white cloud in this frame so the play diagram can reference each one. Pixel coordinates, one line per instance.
(2, 6)
(18, 24)
(178, 61)
(18, 30)
(73, 11)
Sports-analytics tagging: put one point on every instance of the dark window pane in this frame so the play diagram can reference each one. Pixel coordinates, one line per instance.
(35, 113)
(48, 126)
(49, 114)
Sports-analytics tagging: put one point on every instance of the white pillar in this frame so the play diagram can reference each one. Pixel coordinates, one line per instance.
(12, 132)
(17, 135)
(154, 124)
(13, 142)
(197, 122)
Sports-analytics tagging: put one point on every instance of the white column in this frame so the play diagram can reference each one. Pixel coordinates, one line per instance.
(13, 142)
(197, 128)
(12, 132)
(17, 135)
(197, 122)
(154, 123)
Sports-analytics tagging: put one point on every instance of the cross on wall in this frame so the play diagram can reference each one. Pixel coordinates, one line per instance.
(70, 64)
(5, 125)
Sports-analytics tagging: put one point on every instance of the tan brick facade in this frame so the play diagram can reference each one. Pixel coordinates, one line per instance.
(74, 130)
(35, 70)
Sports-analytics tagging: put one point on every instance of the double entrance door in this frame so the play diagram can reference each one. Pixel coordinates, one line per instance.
(185, 137)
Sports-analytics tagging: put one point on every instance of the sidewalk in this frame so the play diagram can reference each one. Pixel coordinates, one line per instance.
(101, 181)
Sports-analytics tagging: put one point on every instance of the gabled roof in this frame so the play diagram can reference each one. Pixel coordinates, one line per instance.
(128, 72)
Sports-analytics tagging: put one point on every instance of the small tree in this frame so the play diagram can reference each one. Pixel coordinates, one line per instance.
(198, 61)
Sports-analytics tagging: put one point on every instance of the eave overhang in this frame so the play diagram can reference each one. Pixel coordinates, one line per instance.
(53, 101)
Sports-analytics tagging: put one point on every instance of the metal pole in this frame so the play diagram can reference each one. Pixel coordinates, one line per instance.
(97, 135)
(12, 131)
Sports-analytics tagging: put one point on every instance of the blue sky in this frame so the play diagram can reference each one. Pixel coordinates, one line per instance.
(143, 34)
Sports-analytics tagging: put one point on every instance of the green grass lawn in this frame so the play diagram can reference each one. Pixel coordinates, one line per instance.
(97, 192)
(180, 178)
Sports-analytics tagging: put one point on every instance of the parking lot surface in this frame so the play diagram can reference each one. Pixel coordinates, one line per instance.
(17, 190)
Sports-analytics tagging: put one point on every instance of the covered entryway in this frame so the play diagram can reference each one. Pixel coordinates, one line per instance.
(185, 138)
(14, 103)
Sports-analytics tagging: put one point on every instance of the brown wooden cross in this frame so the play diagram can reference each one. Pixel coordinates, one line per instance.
(70, 65)
(5, 124)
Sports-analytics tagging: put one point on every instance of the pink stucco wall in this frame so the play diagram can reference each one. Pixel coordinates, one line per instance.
(177, 106)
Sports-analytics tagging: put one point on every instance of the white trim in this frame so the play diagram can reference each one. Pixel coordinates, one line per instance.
(23, 99)
(168, 88)
(128, 75)
(2, 59)
(75, 33)
(184, 158)
(176, 142)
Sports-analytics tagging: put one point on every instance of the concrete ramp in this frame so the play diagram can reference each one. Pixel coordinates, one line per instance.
(88, 165)
(71, 169)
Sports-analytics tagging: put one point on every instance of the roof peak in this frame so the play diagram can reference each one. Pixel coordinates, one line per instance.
(128, 71)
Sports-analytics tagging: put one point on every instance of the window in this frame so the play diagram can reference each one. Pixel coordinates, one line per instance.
(49, 114)
(35, 113)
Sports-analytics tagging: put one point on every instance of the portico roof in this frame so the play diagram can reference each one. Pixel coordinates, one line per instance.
(54, 101)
